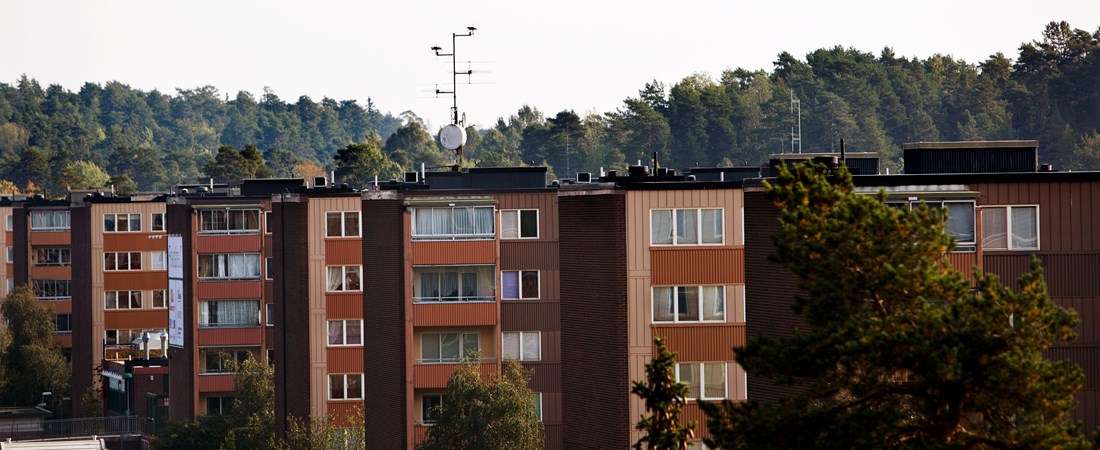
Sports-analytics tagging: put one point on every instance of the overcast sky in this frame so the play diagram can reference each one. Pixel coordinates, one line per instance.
(566, 54)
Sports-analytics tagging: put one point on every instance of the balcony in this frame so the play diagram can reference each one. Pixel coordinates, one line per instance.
(455, 314)
(436, 375)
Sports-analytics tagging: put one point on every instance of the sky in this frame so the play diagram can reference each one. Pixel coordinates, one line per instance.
(587, 56)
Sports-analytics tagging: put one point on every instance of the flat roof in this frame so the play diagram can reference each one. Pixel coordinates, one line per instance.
(970, 144)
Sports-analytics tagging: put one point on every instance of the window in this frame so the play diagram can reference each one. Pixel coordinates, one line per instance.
(958, 221)
(430, 406)
(8, 220)
(50, 256)
(345, 278)
(345, 332)
(222, 359)
(436, 348)
(342, 224)
(218, 406)
(229, 266)
(689, 304)
(159, 260)
(49, 220)
(537, 398)
(270, 310)
(121, 337)
(345, 386)
(52, 289)
(709, 379)
(267, 228)
(11, 255)
(519, 284)
(113, 223)
(519, 224)
(458, 222)
(63, 322)
(522, 345)
(229, 221)
(117, 261)
(1010, 228)
(269, 269)
(453, 284)
(160, 299)
(122, 300)
(686, 227)
(157, 220)
(229, 313)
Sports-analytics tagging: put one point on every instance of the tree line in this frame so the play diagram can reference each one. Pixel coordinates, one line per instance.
(151, 140)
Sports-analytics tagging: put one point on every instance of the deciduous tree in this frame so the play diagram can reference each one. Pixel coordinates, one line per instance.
(33, 363)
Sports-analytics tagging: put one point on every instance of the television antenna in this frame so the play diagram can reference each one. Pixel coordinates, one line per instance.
(452, 137)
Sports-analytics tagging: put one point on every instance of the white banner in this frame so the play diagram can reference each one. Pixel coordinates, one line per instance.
(175, 291)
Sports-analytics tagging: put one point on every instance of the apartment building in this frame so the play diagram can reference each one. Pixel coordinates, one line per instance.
(226, 289)
(1004, 209)
(7, 269)
(642, 256)
(457, 267)
(318, 245)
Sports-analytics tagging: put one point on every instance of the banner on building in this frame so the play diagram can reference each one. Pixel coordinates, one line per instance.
(175, 291)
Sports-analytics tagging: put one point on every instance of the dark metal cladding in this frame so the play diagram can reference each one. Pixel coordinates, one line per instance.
(859, 163)
(83, 356)
(489, 178)
(181, 371)
(724, 173)
(289, 218)
(971, 157)
(269, 186)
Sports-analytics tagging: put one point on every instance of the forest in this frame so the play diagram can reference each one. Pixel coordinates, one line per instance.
(114, 136)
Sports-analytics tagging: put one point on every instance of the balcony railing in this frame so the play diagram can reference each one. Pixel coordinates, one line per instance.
(456, 298)
(72, 428)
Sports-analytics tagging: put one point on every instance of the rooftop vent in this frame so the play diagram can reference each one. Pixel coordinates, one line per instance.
(584, 177)
(638, 171)
(319, 182)
(412, 177)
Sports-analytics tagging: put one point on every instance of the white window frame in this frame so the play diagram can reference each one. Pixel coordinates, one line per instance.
(424, 410)
(204, 313)
(55, 220)
(343, 233)
(1008, 228)
(153, 221)
(344, 272)
(158, 260)
(269, 268)
(163, 299)
(698, 227)
(419, 235)
(269, 312)
(538, 405)
(9, 222)
(227, 230)
(35, 284)
(11, 255)
(676, 304)
(519, 224)
(344, 333)
(131, 335)
(267, 229)
(61, 251)
(239, 354)
(520, 335)
(129, 262)
(129, 222)
(483, 272)
(223, 259)
(224, 402)
(117, 297)
(58, 329)
(519, 275)
(462, 336)
(703, 380)
(345, 389)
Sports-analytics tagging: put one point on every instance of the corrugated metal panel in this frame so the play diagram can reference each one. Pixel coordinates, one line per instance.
(420, 433)
(528, 255)
(51, 272)
(214, 383)
(552, 435)
(50, 238)
(1088, 309)
(230, 243)
(702, 342)
(437, 375)
(971, 160)
(698, 265)
(692, 413)
(545, 375)
(344, 306)
(229, 336)
(551, 409)
(343, 251)
(1085, 356)
(1088, 408)
(545, 202)
(116, 281)
(135, 242)
(639, 204)
(345, 359)
(1069, 218)
(60, 306)
(455, 314)
(343, 411)
(228, 289)
(963, 262)
(529, 315)
(63, 340)
(454, 252)
(144, 319)
(1072, 274)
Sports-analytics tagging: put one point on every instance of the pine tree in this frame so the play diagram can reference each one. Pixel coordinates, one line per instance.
(664, 399)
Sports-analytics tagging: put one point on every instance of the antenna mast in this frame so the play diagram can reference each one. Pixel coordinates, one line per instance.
(454, 73)
(796, 105)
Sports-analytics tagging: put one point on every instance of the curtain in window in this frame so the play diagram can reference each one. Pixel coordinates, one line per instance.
(355, 332)
(469, 345)
(712, 226)
(1024, 232)
(686, 226)
(483, 220)
(109, 222)
(509, 225)
(423, 224)
(429, 286)
(960, 221)
(135, 222)
(332, 224)
(335, 278)
(230, 312)
(663, 308)
(530, 284)
(509, 284)
(994, 228)
(111, 300)
(661, 223)
(714, 375)
(429, 347)
(470, 285)
(352, 278)
(135, 299)
(336, 332)
(531, 348)
(448, 288)
(689, 374)
(355, 386)
(336, 386)
(510, 344)
(442, 221)
(714, 303)
(449, 348)
(351, 224)
(687, 299)
(464, 221)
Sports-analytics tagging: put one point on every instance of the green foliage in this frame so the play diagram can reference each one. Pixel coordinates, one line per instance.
(358, 164)
(486, 411)
(231, 166)
(32, 362)
(123, 184)
(252, 418)
(203, 432)
(664, 400)
(325, 433)
(899, 351)
(83, 175)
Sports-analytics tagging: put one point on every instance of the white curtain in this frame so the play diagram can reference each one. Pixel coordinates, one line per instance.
(687, 299)
(464, 221)
(509, 224)
(229, 312)
(712, 226)
(663, 307)
(510, 344)
(336, 332)
(714, 303)
(244, 265)
(714, 377)
(686, 226)
(509, 284)
(688, 373)
(483, 220)
(960, 221)
(994, 228)
(335, 278)
(661, 226)
(532, 351)
(1024, 232)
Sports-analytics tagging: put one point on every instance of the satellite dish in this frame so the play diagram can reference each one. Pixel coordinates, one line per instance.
(452, 136)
